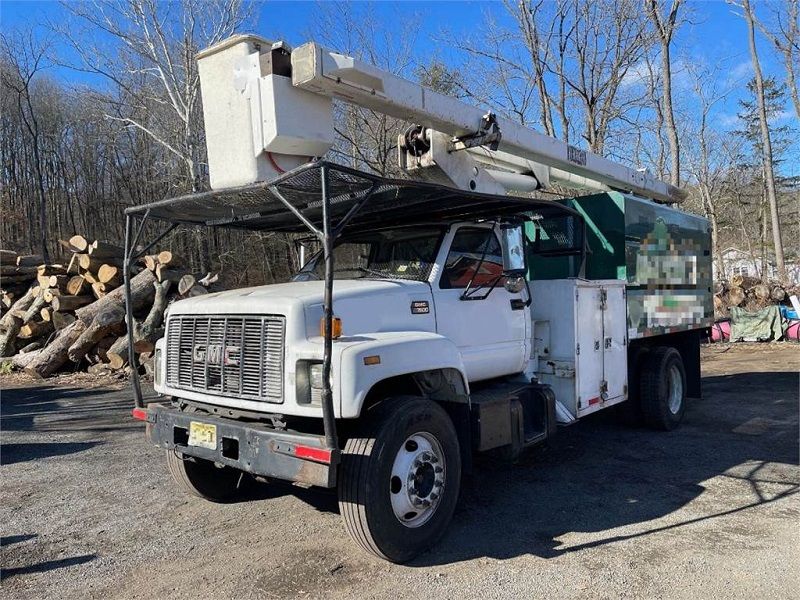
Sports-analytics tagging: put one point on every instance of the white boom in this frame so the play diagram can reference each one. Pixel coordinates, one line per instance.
(268, 108)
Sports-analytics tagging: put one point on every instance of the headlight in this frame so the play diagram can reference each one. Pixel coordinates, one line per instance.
(315, 375)
(309, 382)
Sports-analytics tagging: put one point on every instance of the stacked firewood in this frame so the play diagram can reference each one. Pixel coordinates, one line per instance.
(71, 315)
(750, 293)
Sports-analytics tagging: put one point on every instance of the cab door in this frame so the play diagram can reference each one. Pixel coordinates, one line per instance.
(489, 327)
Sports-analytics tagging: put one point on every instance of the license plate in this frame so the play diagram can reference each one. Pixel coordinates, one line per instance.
(203, 435)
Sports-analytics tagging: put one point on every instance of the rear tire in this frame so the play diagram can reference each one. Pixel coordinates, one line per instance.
(202, 478)
(399, 481)
(663, 388)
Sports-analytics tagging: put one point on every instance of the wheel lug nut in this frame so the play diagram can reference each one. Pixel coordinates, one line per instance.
(437, 469)
(433, 459)
(434, 496)
(425, 503)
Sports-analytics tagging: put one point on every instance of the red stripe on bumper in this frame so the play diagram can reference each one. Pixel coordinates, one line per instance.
(322, 455)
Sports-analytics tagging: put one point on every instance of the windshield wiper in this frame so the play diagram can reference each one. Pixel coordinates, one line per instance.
(378, 274)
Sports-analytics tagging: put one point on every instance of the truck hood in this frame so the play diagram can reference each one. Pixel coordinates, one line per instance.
(364, 305)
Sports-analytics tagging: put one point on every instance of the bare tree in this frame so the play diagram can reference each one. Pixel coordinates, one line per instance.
(538, 45)
(785, 36)
(710, 160)
(610, 38)
(567, 56)
(766, 149)
(154, 62)
(649, 135)
(665, 26)
(24, 59)
(367, 139)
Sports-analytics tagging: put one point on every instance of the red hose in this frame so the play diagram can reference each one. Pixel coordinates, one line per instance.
(274, 164)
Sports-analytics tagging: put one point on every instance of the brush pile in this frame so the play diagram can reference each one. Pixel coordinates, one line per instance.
(72, 316)
(751, 294)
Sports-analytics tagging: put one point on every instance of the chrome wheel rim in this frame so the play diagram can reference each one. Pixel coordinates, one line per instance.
(417, 481)
(675, 390)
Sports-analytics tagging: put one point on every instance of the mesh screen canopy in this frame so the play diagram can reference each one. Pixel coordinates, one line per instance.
(387, 202)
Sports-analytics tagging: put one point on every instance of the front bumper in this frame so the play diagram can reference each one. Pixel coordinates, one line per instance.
(250, 447)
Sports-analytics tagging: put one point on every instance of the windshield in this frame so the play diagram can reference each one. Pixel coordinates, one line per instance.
(389, 254)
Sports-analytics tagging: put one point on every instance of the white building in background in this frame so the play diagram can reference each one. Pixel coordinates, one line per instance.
(739, 262)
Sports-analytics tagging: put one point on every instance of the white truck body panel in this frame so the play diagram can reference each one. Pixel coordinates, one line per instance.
(581, 349)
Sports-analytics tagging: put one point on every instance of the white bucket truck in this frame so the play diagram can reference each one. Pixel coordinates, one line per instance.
(440, 318)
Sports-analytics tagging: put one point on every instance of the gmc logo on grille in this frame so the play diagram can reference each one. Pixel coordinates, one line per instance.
(217, 354)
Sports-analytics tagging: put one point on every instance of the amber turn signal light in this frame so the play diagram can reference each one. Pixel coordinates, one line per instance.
(336, 327)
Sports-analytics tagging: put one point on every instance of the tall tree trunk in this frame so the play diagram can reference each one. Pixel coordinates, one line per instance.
(711, 213)
(769, 173)
(32, 125)
(762, 236)
(792, 84)
(746, 235)
(665, 29)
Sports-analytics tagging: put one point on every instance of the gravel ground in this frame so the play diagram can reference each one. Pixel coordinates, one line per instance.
(709, 511)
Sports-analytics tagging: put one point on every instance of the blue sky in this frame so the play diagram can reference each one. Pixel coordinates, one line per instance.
(714, 36)
(715, 29)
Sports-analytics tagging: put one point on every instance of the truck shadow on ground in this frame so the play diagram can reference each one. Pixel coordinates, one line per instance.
(598, 475)
(17, 453)
(63, 410)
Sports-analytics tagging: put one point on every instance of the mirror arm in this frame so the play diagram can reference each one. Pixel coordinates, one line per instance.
(469, 296)
(466, 294)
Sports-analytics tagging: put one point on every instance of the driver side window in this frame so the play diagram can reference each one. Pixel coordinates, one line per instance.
(469, 245)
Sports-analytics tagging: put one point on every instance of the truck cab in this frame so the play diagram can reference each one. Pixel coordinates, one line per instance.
(398, 291)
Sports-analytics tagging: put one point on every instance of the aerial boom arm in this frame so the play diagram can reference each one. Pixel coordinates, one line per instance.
(268, 108)
(324, 72)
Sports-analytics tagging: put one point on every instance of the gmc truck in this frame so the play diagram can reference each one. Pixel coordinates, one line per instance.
(437, 319)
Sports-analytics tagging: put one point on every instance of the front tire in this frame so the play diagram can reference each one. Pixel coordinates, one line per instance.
(202, 478)
(663, 388)
(399, 481)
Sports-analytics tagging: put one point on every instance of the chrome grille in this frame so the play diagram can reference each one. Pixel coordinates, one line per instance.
(238, 357)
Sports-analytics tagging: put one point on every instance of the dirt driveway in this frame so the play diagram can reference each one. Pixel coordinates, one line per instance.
(709, 511)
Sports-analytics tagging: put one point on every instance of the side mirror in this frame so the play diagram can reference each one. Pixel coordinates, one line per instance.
(513, 248)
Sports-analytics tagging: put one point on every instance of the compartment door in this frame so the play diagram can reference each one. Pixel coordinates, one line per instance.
(615, 349)
(589, 348)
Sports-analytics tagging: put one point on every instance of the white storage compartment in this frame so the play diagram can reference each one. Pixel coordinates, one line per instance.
(584, 358)
(257, 125)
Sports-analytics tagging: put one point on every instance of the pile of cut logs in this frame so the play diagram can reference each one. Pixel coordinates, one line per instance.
(750, 293)
(72, 316)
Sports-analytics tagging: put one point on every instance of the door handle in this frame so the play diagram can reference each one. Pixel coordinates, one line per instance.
(518, 304)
